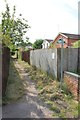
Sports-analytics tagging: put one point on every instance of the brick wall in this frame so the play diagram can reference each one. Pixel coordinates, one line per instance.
(71, 80)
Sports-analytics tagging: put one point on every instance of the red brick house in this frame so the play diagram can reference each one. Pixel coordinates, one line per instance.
(68, 39)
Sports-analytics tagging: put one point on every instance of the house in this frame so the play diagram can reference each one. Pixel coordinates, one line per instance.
(68, 39)
(46, 43)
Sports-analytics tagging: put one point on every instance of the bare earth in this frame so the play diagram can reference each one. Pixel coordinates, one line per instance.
(30, 106)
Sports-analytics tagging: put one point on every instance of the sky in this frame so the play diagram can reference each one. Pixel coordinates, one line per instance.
(47, 17)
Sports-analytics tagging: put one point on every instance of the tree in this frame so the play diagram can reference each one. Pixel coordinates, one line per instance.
(13, 29)
(38, 44)
(25, 44)
(76, 44)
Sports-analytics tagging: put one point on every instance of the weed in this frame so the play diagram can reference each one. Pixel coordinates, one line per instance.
(40, 87)
(59, 100)
(55, 109)
(65, 89)
(50, 103)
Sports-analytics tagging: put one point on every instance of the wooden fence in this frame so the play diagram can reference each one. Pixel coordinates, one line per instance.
(26, 56)
(5, 67)
(0, 70)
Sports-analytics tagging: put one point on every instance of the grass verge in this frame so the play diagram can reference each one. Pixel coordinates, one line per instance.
(15, 88)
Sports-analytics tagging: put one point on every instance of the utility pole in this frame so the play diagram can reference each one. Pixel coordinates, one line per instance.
(61, 63)
(60, 41)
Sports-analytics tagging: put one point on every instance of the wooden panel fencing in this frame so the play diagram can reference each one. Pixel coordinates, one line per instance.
(0, 71)
(26, 56)
(5, 67)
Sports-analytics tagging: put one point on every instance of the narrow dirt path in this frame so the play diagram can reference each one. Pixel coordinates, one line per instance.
(30, 106)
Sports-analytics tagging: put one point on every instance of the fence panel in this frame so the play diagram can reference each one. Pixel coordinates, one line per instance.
(5, 67)
(43, 60)
(26, 56)
(0, 70)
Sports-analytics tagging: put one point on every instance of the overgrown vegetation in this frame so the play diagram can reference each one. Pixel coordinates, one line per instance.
(61, 102)
(15, 88)
(76, 44)
(38, 44)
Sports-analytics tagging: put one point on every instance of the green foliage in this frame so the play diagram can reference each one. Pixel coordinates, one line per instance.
(15, 88)
(13, 29)
(52, 45)
(25, 44)
(76, 44)
(38, 44)
(79, 107)
(55, 109)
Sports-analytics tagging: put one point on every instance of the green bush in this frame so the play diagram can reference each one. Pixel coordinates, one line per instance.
(65, 89)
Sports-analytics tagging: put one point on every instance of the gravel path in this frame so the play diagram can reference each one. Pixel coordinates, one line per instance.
(30, 106)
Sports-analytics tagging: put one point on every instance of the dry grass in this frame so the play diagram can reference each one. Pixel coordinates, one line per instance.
(61, 103)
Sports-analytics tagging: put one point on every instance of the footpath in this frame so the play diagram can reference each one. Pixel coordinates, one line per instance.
(29, 106)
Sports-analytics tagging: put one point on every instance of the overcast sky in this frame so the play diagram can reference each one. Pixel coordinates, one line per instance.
(47, 17)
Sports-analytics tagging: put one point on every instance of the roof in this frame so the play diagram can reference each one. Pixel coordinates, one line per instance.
(72, 36)
(49, 40)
